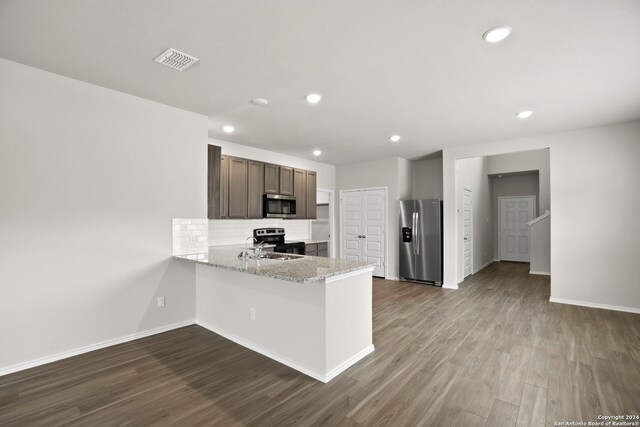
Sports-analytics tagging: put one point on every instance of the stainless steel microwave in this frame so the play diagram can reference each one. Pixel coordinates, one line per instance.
(278, 206)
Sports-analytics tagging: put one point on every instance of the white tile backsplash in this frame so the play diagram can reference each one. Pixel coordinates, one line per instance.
(190, 236)
(232, 231)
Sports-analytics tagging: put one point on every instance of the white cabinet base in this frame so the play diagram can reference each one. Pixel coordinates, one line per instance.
(319, 328)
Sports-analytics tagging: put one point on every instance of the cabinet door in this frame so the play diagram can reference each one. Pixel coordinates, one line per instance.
(224, 187)
(271, 179)
(286, 181)
(237, 187)
(213, 182)
(255, 177)
(300, 192)
(311, 249)
(311, 195)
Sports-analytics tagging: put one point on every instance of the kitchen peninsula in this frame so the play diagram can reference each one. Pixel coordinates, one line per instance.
(313, 314)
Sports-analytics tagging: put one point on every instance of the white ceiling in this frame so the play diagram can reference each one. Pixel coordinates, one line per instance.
(417, 68)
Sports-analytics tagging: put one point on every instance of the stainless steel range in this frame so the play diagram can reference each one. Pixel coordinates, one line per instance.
(276, 236)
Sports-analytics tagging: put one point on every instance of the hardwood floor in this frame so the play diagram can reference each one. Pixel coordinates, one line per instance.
(494, 353)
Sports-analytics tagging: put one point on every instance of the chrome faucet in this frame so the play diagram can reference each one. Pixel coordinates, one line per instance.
(247, 239)
(257, 248)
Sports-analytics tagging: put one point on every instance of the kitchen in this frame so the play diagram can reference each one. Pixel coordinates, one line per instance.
(263, 311)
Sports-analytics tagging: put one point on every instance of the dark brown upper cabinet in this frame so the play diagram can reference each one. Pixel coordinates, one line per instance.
(213, 182)
(278, 179)
(255, 185)
(224, 186)
(271, 179)
(238, 187)
(300, 192)
(312, 187)
(304, 190)
(286, 181)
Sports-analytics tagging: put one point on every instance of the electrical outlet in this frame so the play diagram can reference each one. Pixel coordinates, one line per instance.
(161, 301)
(194, 239)
(484, 253)
(252, 313)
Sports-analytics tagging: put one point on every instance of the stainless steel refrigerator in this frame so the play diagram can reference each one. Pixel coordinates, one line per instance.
(421, 241)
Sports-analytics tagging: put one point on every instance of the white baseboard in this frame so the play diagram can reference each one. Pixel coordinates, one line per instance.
(92, 347)
(541, 273)
(483, 266)
(392, 278)
(445, 286)
(325, 378)
(347, 363)
(595, 305)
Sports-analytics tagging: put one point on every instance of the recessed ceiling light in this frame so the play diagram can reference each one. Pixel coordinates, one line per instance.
(260, 101)
(496, 34)
(524, 114)
(394, 138)
(313, 98)
(228, 128)
(317, 152)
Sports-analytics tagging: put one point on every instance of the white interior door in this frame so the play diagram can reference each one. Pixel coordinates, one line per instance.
(515, 212)
(363, 221)
(351, 226)
(373, 235)
(467, 231)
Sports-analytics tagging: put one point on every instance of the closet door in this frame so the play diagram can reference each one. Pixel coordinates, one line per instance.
(362, 219)
(373, 236)
(351, 225)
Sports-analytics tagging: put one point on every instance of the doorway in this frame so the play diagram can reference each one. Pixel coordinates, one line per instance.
(514, 214)
(322, 228)
(467, 231)
(363, 217)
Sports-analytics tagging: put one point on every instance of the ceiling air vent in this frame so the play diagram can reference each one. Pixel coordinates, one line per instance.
(175, 59)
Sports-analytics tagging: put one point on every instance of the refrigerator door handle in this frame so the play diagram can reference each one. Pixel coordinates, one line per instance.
(417, 245)
(414, 225)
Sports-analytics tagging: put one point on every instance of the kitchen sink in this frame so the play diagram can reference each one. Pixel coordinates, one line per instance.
(278, 256)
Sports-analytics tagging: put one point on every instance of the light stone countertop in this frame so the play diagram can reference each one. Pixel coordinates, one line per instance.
(309, 241)
(301, 269)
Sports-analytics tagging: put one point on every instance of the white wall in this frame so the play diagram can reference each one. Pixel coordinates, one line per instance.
(404, 179)
(511, 185)
(472, 173)
(534, 160)
(426, 179)
(90, 179)
(594, 247)
(394, 174)
(540, 246)
(318, 328)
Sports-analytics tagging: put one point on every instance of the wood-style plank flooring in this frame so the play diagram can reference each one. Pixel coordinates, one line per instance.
(494, 353)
